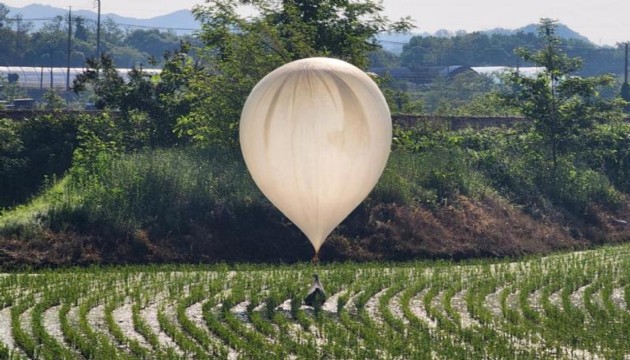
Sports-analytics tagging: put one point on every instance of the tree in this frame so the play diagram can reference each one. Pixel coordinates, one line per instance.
(4, 11)
(625, 94)
(107, 84)
(153, 42)
(80, 30)
(53, 101)
(562, 107)
(149, 104)
(239, 51)
(11, 161)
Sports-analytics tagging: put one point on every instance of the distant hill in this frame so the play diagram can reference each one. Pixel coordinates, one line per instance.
(181, 21)
(394, 42)
(562, 30)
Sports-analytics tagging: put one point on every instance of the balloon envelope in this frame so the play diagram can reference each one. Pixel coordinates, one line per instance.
(315, 135)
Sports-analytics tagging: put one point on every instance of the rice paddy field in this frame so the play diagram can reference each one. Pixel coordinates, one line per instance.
(564, 306)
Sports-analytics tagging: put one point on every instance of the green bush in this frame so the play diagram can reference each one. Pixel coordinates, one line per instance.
(33, 150)
(607, 148)
(577, 187)
(402, 180)
(12, 164)
(516, 167)
(437, 174)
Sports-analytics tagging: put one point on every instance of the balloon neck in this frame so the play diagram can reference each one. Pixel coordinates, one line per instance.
(315, 259)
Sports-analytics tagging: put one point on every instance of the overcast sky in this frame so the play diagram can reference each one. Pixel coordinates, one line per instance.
(602, 21)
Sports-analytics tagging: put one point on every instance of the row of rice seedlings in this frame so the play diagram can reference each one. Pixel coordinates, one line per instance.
(182, 290)
(362, 325)
(189, 346)
(445, 344)
(476, 295)
(200, 335)
(297, 331)
(12, 293)
(384, 308)
(319, 334)
(423, 345)
(95, 345)
(212, 320)
(24, 300)
(134, 346)
(6, 353)
(141, 297)
(573, 340)
(582, 270)
(478, 341)
(514, 337)
(419, 338)
(374, 332)
(256, 345)
(569, 323)
(413, 340)
(339, 339)
(22, 338)
(528, 324)
(49, 347)
(294, 339)
(607, 326)
(160, 351)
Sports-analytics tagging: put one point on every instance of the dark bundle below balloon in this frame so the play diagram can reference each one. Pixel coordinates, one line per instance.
(316, 294)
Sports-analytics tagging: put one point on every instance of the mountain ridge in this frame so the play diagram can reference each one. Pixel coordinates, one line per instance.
(181, 21)
(395, 42)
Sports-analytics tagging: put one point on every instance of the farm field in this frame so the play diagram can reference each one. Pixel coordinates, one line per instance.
(564, 306)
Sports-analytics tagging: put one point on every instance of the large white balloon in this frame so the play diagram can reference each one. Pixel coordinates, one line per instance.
(316, 134)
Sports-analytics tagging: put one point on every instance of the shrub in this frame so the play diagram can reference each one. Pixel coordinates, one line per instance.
(33, 150)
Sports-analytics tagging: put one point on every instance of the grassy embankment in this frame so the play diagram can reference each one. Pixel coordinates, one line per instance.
(443, 194)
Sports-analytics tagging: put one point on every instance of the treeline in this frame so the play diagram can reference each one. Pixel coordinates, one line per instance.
(495, 49)
(22, 45)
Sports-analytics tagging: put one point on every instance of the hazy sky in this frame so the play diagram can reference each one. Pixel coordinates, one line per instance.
(602, 21)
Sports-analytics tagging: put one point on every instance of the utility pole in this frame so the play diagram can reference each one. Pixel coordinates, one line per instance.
(98, 31)
(51, 68)
(69, 47)
(625, 72)
(625, 88)
(18, 20)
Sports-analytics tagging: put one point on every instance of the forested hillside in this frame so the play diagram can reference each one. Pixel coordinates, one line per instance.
(24, 44)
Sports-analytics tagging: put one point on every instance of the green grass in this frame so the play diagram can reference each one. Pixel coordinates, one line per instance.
(30, 219)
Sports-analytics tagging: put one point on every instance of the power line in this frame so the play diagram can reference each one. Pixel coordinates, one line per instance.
(117, 23)
(564, 47)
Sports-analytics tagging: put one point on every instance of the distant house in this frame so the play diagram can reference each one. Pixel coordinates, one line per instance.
(496, 72)
(424, 75)
(454, 70)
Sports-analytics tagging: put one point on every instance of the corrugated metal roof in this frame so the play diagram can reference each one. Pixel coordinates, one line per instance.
(528, 71)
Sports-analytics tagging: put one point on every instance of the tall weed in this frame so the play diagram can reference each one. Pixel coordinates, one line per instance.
(164, 189)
